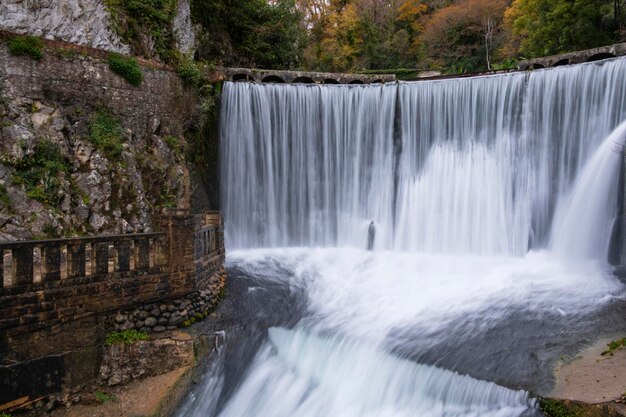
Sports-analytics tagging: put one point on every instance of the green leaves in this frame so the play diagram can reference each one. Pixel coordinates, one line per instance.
(127, 337)
(254, 33)
(547, 27)
(42, 173)
(127, 68)
(106, 134)
(26, 46)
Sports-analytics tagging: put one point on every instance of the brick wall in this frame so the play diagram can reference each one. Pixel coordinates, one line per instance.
(55, 312)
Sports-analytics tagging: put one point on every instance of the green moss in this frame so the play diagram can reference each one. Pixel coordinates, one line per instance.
(26, 46)
(5, 200)
(126, 337)
(199, 317)
(127, 68)
(186, 323)
(106, 134)
(174, 144)
(3, 414)
(614, 345)
(41, 174)
(65, 53)
(103, 397)
(167, 198)
(189, 71)
(556, 408)
(50, 232)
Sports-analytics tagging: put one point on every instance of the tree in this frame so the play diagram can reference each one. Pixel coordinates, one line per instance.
(253, 33)
(546, 27)
(464, 35)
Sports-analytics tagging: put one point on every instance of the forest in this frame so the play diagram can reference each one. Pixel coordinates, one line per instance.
(402, 36)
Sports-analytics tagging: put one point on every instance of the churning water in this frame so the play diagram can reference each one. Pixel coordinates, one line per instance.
(493, 200)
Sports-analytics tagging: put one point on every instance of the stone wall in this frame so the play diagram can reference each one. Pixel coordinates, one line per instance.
(59, 298)
(58, 100)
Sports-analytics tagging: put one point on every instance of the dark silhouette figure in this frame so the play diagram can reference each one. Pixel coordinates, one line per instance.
(371, 234)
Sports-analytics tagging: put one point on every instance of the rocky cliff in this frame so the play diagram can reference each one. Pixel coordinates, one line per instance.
(82, 151)
(104, 24)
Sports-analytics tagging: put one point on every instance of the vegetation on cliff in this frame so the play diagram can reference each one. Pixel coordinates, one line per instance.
(26, 46)
(134, 19)
(127, 68)
(127, 337)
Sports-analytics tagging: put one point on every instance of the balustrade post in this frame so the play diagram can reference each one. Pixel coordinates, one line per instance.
(100, 251)
(2, 268)
(142, 249)
(76, 261)
(123, 249)
(51, 262)
(23, 265)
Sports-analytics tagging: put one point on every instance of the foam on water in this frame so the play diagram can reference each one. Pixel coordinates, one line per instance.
(368, 294)
(298, 374)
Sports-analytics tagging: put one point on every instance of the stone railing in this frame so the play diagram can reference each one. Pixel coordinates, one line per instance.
(294, 77)
(31, 262)
(58, 298)
(577, 57)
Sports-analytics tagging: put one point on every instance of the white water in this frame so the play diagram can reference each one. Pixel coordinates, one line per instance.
(492, 196)
(584, 218)
(463, 166)
(300, 374)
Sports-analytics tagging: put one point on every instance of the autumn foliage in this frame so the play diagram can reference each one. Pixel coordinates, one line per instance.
(444, 35)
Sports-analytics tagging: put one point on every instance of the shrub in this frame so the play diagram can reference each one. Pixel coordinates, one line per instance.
(127, 337)
(3, 414)
(26, 46)
(106, 134)
(174, 144)
(103, 397)
(127, 68)
(188, 71)
(133, 19)
(614, 345)
(5, 200)
(41, 173)
(556, 408)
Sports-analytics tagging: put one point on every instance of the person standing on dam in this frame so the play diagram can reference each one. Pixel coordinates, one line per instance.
(371, 235)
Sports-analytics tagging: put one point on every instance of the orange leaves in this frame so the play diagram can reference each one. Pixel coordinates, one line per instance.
(410, 10)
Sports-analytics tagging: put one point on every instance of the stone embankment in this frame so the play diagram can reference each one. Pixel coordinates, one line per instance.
(60, 298)
(182, 312)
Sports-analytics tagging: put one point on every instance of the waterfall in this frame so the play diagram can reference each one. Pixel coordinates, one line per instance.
(466, 181)
(584, 218)
(464, 166)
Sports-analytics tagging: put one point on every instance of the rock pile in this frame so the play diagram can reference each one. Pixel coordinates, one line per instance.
(181, 312)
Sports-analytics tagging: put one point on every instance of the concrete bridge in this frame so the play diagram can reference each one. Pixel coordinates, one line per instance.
(296, 77)
(588, 55)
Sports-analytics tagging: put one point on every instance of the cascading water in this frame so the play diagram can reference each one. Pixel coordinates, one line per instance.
(482, 191)
(473, 166)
